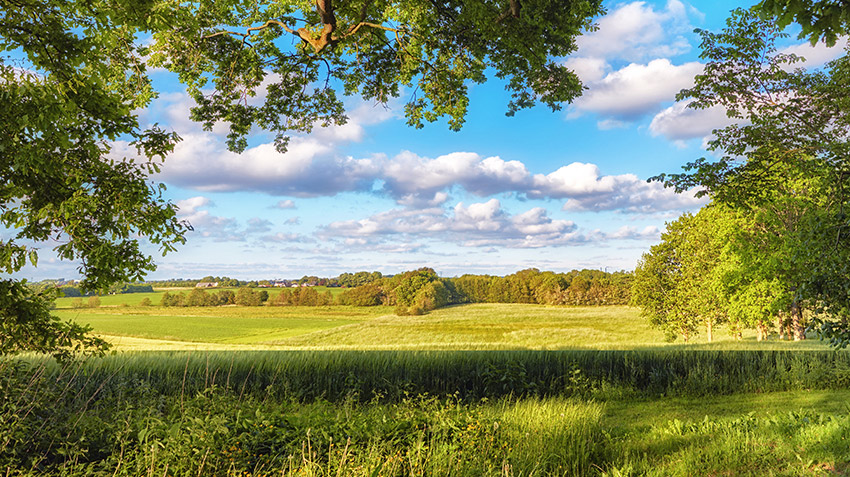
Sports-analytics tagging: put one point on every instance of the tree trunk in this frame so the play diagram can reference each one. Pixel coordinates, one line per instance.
(780, 325)
(709, 329)
(761, 331)
(796, 322)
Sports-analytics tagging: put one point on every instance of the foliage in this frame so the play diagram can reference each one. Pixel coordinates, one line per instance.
(27, 325)
(784, 164)
(368, 294)
(243, 49)
(819, 19)
(357, 279)
(303, 296)
(684, 281)
(114, 418)
(68, 86)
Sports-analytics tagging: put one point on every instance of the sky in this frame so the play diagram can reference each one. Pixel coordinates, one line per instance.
(551, 190)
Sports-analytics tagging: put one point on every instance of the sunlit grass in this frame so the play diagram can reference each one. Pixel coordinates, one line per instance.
(470, 327)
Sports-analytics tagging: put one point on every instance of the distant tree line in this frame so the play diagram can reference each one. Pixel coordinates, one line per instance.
(121, 288)
(419, 291)
(422, 290)
(351, 280)
(348, 280)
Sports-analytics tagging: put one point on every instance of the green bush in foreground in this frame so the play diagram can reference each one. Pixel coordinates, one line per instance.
(138, 431)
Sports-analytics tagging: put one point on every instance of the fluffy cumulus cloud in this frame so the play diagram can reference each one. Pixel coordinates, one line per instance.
(679, 122)
(584, 188)
(474, 225)
(309, 168)
(636, 31)
(637, 89)
(424, 183)
(408, 176)
(480, 225)
(626, 64)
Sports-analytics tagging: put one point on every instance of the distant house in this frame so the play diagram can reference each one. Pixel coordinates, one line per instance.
(206, 285)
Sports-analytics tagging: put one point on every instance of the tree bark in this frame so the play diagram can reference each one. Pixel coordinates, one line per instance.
(797, 322)
(709, 329)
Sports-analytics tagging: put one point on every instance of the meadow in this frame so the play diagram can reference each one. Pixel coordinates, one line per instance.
(468, 327)
(487, 389)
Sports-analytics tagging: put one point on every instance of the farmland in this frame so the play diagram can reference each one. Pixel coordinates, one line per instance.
(484, 389)
(477, 326)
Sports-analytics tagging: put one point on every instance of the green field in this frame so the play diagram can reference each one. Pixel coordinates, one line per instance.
(478, 326)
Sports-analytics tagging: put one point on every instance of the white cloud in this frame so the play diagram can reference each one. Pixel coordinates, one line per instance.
(585, 189)
(637, 89)
(284, 204)
(191, 205)
(473, 225)
(817, 55)
(679, 122)
(588, 69)
(309, 168)
(628, 232)
(408, 175)
(636, 31)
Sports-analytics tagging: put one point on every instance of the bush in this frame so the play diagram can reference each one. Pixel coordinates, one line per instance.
(93, 302)
(145, 302)
(77, 303)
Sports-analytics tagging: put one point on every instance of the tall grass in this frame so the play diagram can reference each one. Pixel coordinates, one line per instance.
(471, 375)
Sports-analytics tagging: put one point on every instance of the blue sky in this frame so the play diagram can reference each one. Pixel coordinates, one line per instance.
(552, 190)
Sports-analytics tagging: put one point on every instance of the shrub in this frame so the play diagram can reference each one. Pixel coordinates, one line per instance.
(145, 302)
(93, 302)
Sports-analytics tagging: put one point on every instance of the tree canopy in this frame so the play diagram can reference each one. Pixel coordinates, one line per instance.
(785, 165)
(300, 55)
(819, 19)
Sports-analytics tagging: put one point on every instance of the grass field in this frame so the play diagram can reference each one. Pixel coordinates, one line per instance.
(478, 326)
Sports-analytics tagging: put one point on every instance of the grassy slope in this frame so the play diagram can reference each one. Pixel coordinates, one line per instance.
(480, 326)
(256, 326)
